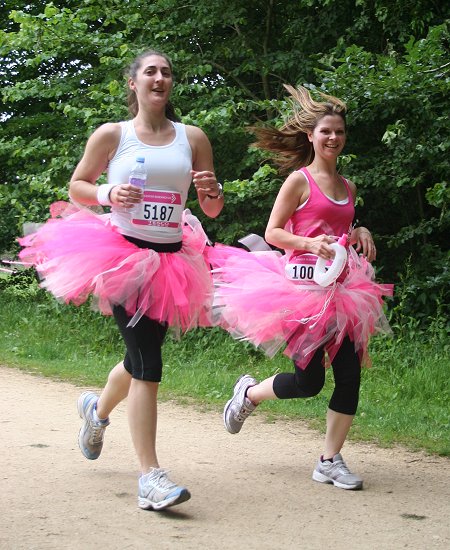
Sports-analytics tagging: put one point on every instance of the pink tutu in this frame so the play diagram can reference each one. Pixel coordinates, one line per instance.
(255, 301)
(80, 254)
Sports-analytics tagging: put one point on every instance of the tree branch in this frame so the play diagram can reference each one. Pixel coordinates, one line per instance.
(264, 76)
(437, 68)
(225, 71)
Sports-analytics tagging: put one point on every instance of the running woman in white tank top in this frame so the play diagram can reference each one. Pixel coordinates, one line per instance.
(143, 266)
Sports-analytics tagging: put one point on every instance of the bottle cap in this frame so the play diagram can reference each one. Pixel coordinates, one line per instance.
(343, 239)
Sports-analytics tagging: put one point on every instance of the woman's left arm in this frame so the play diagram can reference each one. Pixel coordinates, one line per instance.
(361, 236)
(209, 192)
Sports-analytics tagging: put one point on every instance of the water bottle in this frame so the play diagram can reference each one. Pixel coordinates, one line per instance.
(326, 275)
(138, 176)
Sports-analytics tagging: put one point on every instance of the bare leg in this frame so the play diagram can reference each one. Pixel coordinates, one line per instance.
(142, 419)
(262, 391)
(338, 426)
(115, 390)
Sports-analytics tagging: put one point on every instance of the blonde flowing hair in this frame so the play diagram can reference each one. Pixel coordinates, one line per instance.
(289, 144)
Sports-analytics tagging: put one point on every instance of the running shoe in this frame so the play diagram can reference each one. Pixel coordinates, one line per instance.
(335, 471)
(92, 432)
(157, 491)
(239, 407)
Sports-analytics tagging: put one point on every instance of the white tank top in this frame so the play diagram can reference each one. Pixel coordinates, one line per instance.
(168, 180)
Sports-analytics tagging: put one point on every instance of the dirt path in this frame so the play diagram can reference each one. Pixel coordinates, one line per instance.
(250, 491)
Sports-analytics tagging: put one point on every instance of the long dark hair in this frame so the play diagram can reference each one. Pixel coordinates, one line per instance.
(131, 72)
(290, 143)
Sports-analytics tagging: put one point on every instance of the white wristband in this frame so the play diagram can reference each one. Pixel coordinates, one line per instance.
(103, 192)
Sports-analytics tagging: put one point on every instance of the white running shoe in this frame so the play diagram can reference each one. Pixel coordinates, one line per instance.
(157, 491)
(92, 432)
(239, 407)
(337, 473)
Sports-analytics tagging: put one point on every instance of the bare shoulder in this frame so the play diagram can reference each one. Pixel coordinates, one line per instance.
(202, 155)
(110, 131)
(297, 179)
(352, 188)
(296, 185)
(196, 135)
(104, 140)
(292, 193)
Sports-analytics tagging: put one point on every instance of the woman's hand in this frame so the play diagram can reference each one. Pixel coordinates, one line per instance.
(206, 183)
(320, 246)
(362, 237)
(126, 195)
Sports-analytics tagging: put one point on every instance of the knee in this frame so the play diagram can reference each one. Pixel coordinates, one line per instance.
(347, 406)
(349, 381)
(309, 386)
(345, 397)
(119, 374)
(312, 389)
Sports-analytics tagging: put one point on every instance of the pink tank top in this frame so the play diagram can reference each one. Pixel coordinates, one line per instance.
(320, 214)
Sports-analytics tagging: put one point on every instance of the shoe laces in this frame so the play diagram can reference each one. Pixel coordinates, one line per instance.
(159, 478)
(96, 433)
(243, 412)
(342, 467)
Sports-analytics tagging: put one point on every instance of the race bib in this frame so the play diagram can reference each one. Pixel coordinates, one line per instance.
(301, 268)
(159, 209)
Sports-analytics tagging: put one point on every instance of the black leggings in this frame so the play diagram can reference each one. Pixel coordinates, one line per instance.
(143, 358)
(310, 381)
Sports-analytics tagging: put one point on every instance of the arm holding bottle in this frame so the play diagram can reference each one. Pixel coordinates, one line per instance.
(100, 149)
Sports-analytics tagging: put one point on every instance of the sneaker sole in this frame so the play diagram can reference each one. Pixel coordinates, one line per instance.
(85, 452)
(80, 402)
(145, 504)
(227, 426)
(227, 406)
(321, 478)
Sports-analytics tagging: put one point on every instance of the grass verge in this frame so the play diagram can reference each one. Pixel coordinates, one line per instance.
(404, 397)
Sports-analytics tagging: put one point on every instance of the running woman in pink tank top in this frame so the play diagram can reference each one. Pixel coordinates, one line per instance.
(272, 300)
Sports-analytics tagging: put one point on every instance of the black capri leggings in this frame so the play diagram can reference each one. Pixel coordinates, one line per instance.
(143, 358)
(310, 381)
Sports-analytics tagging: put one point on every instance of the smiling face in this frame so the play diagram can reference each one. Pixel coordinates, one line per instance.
(152, 81)
(328, 137)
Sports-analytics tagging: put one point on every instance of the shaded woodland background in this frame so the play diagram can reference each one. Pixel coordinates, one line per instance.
(61, 74)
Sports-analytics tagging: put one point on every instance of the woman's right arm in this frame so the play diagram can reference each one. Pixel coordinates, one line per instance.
(100, 149)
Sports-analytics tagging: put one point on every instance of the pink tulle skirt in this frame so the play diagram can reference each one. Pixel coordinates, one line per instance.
(78, 253)
(256, 302)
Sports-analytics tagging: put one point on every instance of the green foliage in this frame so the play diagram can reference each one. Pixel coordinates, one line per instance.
(419, 301)
(22, 285)
(61, 75)
(246, 206)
